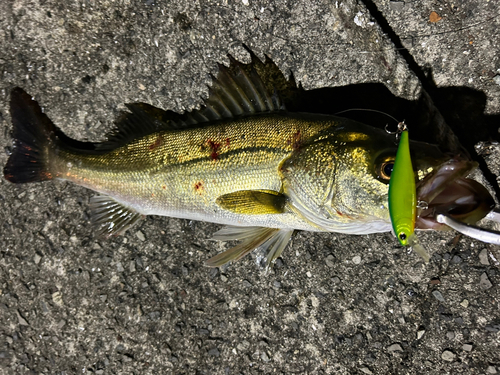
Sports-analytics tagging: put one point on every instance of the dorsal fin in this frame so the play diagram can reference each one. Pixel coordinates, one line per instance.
(242, 90)
(238, 90)
(143, 119)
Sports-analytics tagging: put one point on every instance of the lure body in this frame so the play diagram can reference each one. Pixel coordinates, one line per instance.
(402, 193)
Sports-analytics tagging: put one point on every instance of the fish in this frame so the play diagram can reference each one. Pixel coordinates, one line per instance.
(244, 161)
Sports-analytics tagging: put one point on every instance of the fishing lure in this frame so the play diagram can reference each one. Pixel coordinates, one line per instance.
(403, 196)
(402, 191)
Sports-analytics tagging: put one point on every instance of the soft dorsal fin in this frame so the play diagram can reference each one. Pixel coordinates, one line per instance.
(143, 119)
(238, 90)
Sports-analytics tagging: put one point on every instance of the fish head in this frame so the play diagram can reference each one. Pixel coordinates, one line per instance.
(339, 182)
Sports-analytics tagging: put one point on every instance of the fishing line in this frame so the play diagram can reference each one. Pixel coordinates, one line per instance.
(378, 17)
(400, 127)
(368, 110)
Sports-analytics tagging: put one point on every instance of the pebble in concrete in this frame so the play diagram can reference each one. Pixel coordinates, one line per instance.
(140, 235)
(448, 356)
(484, 282)
(437, 294)
(394, 348)
(483, 257)
(119, 267)
(214, 352)
(37, 258)
(467, 347)
(330, 261)
(420, 333)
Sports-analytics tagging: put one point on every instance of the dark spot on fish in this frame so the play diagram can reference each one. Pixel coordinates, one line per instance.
(198, 187)
(156, 143)
(296, 140)
(227, 142)
(214, 148)
(164, 187)
(343, 214)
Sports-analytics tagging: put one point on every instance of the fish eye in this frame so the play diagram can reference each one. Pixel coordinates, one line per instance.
(387, 168)
(402, 236)
(384, 170)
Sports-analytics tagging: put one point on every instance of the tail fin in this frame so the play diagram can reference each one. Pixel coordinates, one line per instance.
(34, 136)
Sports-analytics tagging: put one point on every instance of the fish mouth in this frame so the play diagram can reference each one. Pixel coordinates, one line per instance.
(447, 191)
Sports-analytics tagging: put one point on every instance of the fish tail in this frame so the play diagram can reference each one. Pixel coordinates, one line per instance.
(34, 141)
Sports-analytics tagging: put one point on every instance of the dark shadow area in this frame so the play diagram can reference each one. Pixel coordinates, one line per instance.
(461, 108)
(455, 121)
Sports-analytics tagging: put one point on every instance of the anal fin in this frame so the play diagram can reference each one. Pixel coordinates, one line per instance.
(253, 202)
(251, 238)
(111, 217)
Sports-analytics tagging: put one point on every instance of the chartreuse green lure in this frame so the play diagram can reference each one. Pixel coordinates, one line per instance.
(403, 197)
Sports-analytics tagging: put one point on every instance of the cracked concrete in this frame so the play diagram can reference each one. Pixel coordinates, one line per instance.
(143, 302)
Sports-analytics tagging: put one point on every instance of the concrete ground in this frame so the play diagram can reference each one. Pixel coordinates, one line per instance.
(144, 303)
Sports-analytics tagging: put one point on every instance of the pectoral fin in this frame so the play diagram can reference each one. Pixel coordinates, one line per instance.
(253, 202)
(111, 217)
(252, 237)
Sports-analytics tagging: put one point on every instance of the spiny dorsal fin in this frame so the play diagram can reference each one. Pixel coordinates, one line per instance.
(238, 90)
(253, 202)
(111, 217)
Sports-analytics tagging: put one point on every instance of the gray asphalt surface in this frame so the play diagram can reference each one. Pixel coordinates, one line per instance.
(144, 303)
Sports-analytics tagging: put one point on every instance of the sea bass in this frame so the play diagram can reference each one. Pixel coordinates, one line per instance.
(241, 160)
